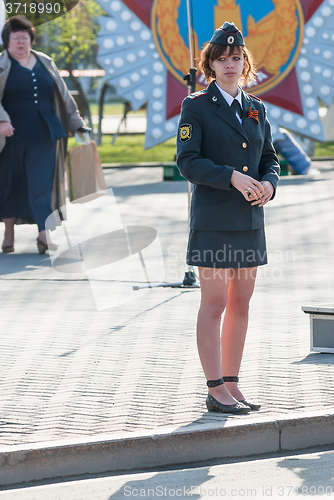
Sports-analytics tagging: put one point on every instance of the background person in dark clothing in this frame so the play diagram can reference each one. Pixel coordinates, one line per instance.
(36, 114)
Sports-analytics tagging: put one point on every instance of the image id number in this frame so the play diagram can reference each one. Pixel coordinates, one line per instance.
(32, 8)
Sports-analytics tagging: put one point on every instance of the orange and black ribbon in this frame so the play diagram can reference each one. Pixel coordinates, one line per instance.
(253, 113)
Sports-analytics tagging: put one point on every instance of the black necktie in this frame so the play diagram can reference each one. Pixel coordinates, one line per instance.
(236, 105)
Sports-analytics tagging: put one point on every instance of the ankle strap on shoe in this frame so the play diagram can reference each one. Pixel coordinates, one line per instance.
(214, 383)
(231, 379)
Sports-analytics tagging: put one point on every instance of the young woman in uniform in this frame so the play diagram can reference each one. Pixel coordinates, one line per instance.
(225, 149)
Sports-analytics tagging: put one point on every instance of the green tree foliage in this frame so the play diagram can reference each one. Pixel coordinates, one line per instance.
(71, 42)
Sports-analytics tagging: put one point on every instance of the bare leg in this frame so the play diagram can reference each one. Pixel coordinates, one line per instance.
(240, 291)
(214, 286)
(9, 232)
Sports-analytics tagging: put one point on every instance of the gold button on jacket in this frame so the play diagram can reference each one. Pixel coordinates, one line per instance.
(213, 149)
(244, 144)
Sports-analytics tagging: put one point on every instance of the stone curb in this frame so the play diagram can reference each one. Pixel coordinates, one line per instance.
(166, 447)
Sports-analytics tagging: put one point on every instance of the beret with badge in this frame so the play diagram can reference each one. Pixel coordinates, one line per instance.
(228, 34)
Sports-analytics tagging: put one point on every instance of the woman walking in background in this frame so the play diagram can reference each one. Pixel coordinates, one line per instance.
(36, 114)
(225, 149)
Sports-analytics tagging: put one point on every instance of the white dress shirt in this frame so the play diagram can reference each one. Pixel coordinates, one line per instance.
(229, 99)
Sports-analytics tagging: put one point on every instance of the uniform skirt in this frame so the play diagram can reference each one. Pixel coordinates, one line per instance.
(227, 249)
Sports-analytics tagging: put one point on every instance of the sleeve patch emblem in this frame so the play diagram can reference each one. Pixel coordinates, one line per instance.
(185, 132)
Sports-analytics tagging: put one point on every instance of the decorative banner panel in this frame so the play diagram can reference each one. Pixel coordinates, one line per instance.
(144, 51)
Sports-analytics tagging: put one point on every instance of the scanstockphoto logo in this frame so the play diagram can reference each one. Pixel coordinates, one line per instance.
(94, 244)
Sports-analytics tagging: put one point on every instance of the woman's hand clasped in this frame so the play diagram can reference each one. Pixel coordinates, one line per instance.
(267, 194)
(259, 193)
(250, 188)
(6, 129)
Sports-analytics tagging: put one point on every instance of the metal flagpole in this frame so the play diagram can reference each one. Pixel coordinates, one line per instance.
(190, 78)
(191, 82)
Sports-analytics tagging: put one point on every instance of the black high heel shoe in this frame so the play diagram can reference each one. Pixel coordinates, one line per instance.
(7, 248)
(213, 405)
(43, 247)
(253, 406)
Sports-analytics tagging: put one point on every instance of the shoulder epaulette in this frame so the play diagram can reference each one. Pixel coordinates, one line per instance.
(255, 97)
(198, 94)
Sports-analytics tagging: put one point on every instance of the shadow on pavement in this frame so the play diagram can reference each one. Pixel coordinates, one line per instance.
(311, 472)
(178, 484)
(125, 324)
(317, 358)
(16, 263)
(151, 188)
(296, 180)
(300, 204)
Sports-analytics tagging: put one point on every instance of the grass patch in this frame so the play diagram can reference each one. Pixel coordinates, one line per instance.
(123, 151)
(130, 149)
(111, 108)
(324, 149)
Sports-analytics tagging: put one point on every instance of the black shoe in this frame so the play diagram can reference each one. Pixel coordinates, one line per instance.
(252, 406)
(213, 405)
(7, 248)
(43, 247)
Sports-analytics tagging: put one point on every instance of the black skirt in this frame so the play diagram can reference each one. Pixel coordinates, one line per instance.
(227, 249)
(26, 181)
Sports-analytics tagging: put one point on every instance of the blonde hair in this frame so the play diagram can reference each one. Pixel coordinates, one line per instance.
(213, 51)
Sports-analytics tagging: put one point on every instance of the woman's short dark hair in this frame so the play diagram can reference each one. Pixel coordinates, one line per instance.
(212, 52)
(14, 24)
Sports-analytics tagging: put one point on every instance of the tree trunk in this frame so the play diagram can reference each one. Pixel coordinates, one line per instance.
(81, 99)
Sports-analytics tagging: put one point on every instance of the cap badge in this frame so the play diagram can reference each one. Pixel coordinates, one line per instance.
(230, 39)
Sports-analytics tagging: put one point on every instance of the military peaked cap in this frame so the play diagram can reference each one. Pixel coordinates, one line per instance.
(228, 34)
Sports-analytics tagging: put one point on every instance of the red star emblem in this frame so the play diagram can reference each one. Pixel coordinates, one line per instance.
(286, 94)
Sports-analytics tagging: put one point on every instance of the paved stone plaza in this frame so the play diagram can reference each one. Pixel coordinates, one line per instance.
(68, 370)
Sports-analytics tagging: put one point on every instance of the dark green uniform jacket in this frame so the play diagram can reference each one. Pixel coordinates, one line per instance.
(211, 143)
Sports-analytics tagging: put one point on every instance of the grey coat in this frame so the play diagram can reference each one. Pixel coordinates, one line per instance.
(211, 143)
(66, 110)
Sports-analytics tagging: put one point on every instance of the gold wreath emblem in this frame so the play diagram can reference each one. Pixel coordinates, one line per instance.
(271, 40)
